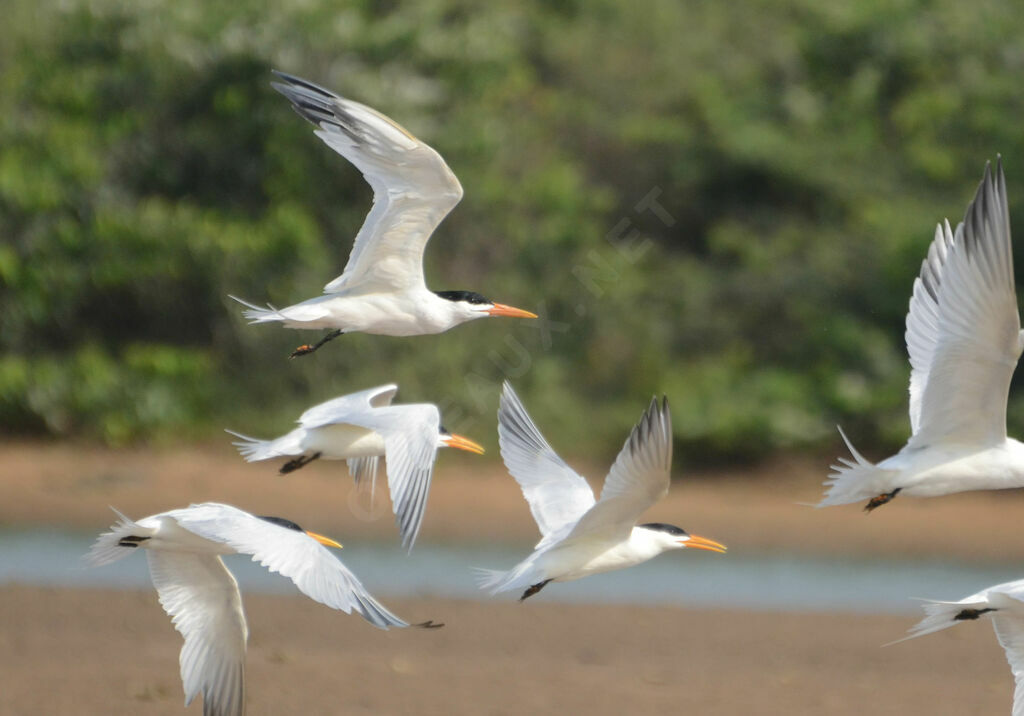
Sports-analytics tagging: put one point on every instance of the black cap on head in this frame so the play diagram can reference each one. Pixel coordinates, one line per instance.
(662, 527)
(281, 522)
(467, 296)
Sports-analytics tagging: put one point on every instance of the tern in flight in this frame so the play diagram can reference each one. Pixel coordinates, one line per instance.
(201, 595)
(964, 338)
(1003, 604)
(382, 289)
(360, 428)
(581, 536)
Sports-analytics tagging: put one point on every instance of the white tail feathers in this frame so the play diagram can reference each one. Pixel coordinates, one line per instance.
(939, 616)
(259, 314)
(108, 548)
(853, 480)
(489, 579)
(253, 449)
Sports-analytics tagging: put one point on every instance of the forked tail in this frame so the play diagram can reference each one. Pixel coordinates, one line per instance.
(852, 480)
(113, 545)
(942, 615)
(253, 449)
(259, 314)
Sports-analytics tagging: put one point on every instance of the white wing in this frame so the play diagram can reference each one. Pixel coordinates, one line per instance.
(1010, 631)
(638, 479)
(338, 410)
(410, 435)
(202, 598)
(413, 188)
(557, 495)
(963, 328)
(290, 552)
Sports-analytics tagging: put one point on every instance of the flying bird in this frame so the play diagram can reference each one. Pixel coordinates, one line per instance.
(964, 338)
(201, 595)
(382, 289)
(581, 536)
(360, 428)
(1003, 604)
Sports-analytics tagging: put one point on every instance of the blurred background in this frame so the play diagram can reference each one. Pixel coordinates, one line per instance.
(726, 203)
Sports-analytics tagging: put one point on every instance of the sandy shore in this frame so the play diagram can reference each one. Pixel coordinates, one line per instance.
(115, 652)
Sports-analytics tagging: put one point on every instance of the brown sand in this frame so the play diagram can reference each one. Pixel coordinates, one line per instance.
(115, 652)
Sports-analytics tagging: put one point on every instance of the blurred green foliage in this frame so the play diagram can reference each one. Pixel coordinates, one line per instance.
(723, 202)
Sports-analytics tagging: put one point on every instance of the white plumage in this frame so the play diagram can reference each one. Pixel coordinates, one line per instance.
(360, 428)
(1003, 605)
(202, 598)
(581, 536)
(382, 289)
(964, 338)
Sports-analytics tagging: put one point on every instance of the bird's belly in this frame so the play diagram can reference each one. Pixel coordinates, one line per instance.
(384, 314)
(570, 566)
(929, 475)
(343, 441)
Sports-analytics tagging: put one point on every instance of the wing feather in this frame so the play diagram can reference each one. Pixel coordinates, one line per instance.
(557, 495)
(964, 328)
(413, 188)
(201, 597)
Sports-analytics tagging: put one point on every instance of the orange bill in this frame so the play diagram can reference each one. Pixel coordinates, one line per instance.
(698, 542)
(457, 441)
(326, 541)
(500, 309)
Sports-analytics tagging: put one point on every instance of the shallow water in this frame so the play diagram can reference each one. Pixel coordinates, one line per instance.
(745, 581)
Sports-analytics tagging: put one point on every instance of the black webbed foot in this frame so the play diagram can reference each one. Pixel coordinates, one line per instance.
(534, 589)
(296, 463)
(131, 541)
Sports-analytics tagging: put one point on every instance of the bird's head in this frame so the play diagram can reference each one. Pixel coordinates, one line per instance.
(447, 439)
(468, 305)
(288, 524)
(672, 537)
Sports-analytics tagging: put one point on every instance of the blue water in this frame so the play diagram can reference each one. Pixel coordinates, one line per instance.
(754, 581)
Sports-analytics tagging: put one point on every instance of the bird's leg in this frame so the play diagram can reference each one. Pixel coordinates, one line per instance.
(306, 349)
(972, 613)
(296, 463)
(534, 589)
(131, 541)
(881, 499)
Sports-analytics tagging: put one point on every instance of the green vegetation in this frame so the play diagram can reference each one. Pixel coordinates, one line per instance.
(723, 202)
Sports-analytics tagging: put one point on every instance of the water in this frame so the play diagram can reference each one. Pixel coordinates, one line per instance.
(753, 581)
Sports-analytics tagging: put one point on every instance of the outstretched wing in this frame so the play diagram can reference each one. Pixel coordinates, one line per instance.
(963, 328)
(557, 495)
(201, 597)
(338, 410)
(290, 552)
(638, 479)
(1010, 632)
(410, 435)
(413, 188)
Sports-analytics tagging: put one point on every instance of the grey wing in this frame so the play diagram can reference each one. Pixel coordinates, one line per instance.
(1010, 632)
(202, 599)
(557, 495)
(968, 335)
(413, 188)
(339, 410)
(292, 553)
(638, 479)
(410, 442)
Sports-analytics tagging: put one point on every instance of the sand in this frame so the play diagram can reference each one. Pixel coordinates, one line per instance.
(115, 652)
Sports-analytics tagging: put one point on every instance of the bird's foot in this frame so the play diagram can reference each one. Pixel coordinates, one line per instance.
(972, 613)
(534, 589)
(429, 624)
(131, 541)
(296, 463)
(306, 349)
(882, 499)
